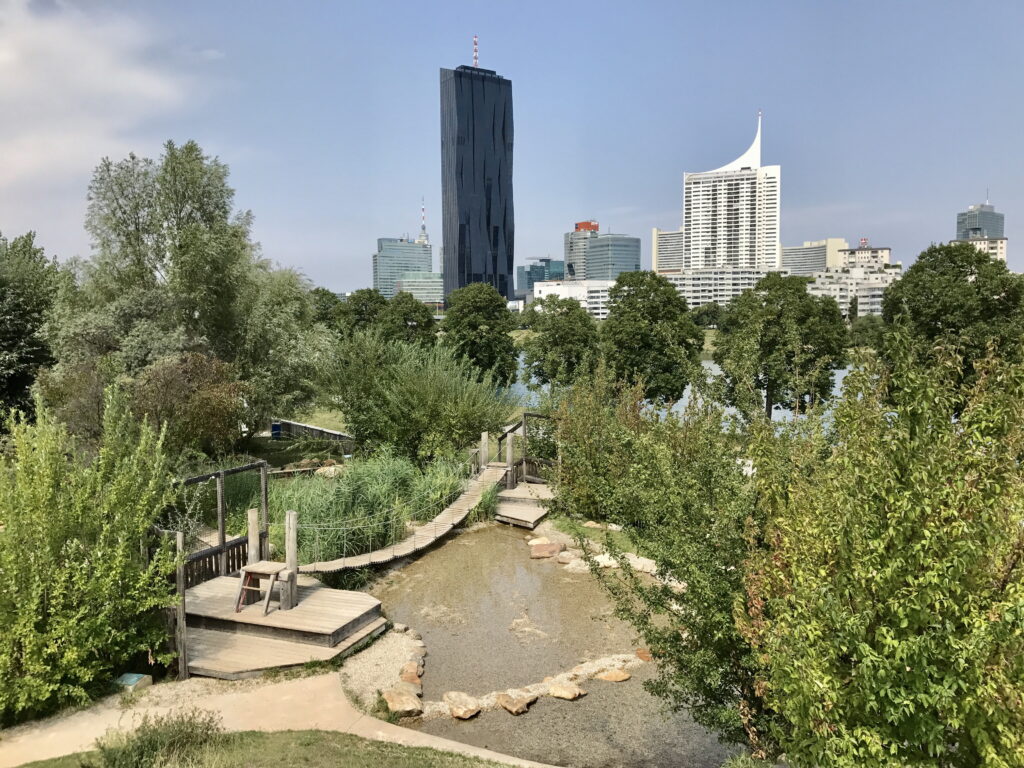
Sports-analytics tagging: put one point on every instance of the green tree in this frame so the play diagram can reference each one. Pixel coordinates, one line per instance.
(407, 319)
(866, 332)
(954, 294)
(563, 343)
(423, 400)
(893, 596)
(478, 325)
(28, 282)
(708, 315)
(650, 336)
(326, 307)
(778, 345)
(80, 599)
(174, 272)
(673, 482)
(361, 309)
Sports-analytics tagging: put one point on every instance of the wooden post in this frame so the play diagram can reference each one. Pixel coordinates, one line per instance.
(510, 457)
(526, 444)
(180, 630)
(253, 555)
(264, 508)
(221, 525)
(485, 449)
(290, 591)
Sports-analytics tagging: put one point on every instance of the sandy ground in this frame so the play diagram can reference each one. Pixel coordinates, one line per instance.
(314, 702)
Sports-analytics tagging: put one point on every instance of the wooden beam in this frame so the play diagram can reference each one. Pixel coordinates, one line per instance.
(180, 631)
(221, 525)
(485, 449)
(289, 591)
(264, 503)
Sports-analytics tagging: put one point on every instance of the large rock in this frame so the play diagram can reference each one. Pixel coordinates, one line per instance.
(411, 669)
(615, 675)
(644, 655)
(402, 703)
(416, 689)
(606, 561)
(540, 551)
(417, 652)
(329, 472)
(642, 564)
(566, 557)
(567, 691)
(516, 703)
(539, 540)
(461, 705)
(577, 566)
(614, 527)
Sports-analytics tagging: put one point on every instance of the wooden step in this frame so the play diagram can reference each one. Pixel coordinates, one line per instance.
(520, 514)
(234, 656)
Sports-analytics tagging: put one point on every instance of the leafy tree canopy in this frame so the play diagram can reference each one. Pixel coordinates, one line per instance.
(477, 325)
(778, 345)
(407, 319)
(28, 283)
(650, 336)
(954, 294)
(563, 344)
(708, 315)
(361, 309)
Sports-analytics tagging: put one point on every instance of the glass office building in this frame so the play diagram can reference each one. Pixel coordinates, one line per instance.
(540, 270)
(394, 257)
(476, 179)
(979, 222)
(610, 255)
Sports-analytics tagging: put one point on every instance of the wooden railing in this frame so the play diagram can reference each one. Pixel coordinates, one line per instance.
(298, 429)
(206, 564)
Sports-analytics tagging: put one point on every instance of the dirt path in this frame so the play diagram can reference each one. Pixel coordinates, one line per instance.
(316, 702)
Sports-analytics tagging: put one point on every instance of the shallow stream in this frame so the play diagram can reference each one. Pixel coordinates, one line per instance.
(493, 619)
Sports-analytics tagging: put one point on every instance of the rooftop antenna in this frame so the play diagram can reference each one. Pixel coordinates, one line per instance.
(476, 52)
(986, 196)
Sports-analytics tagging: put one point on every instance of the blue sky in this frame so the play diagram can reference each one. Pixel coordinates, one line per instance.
(886, 117)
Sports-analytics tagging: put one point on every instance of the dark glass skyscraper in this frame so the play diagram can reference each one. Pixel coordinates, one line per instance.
(476, 179)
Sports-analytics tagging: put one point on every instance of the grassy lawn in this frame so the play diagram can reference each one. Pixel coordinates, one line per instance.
(618, 539)
(709, 343)
(315, 749)
(324, 418)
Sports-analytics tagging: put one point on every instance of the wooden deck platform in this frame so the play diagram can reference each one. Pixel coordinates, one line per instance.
(523, 505)
(323, 616)
(235, 656)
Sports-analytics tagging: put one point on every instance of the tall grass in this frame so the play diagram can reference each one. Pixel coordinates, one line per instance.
(367, 507)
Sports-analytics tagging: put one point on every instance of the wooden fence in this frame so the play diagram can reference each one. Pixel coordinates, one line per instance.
(206, 564)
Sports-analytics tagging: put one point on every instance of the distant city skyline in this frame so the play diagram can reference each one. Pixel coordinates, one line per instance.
(330, 128)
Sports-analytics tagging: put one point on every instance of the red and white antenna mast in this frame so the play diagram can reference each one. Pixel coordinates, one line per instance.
(476, 52)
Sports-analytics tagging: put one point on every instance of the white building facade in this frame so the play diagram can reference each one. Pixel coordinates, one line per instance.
(993, 246)
(865, 284)
(731, 214)
(427, 287)
(592, 295)
(704, 286)
(668, 250)
(813, 256)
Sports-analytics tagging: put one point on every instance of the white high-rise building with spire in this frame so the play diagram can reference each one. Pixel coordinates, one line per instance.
(730, 235)
(731, 214)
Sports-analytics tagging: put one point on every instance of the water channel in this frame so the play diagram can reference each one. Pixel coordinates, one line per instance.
(492, 619)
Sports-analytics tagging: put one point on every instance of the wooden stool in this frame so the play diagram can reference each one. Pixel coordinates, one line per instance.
(250, 580)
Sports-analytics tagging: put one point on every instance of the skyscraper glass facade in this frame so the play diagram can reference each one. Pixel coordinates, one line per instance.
(476, 179)
(978, 222)
(610, 255)
(541, 270)
(396, 255)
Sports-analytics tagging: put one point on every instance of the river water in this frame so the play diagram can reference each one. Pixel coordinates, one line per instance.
(492, 619)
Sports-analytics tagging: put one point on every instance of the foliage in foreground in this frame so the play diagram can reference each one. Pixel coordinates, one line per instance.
(859, 599)
(424, 401)
(161, 740)
(78, 599)
(893, 596)
(314, 749)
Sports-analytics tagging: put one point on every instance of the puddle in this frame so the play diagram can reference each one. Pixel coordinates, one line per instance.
(493, 619)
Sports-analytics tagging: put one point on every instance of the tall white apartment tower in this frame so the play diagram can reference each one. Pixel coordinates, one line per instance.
(731, 214)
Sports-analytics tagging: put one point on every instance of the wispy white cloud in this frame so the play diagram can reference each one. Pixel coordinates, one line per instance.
(75, 85)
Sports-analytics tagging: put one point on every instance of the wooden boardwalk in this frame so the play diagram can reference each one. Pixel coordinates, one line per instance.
(426, 535)
(523, 505)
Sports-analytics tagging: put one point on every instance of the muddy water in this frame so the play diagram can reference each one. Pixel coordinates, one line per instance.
(493, 619)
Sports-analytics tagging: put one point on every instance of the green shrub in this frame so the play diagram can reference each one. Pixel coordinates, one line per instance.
(79, 600)
(162, 740)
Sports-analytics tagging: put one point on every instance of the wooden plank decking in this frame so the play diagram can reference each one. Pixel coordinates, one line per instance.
(425, 535)
(233, 656)
(523, 505)
(323, 616)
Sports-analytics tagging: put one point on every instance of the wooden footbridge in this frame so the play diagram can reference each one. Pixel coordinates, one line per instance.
(425, 535)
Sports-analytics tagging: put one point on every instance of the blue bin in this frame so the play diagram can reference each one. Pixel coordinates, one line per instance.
(275, 430)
